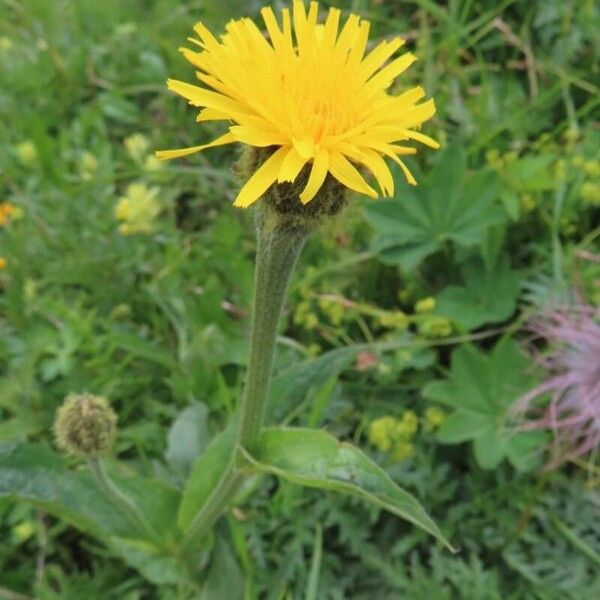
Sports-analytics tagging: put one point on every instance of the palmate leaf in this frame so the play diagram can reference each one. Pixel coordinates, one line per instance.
(481, 388)
(448, 208)
(316, 459)
(488, 295)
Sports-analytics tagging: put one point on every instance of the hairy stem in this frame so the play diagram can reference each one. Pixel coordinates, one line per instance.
(277, 252)
(129, 507)
(278, 248)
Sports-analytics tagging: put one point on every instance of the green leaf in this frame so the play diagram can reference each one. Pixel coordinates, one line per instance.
(155, 566)
(290, 387)
(316, 459)
(481, 388)
(188, 437)
(206, 474)
(35, 474)
(224, 580)
(532, 173)
(450, 207)
(487, 296)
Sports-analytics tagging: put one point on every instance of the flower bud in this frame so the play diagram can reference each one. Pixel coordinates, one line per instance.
(85, 426)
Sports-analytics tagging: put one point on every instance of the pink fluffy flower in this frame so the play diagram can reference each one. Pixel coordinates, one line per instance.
(568, 402)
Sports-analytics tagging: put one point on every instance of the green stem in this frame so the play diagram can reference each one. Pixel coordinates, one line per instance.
(277, 251)
(278, 247)
(129, 507)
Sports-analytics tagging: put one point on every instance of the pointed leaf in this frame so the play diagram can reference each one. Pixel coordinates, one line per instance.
(206, 474)
(316, 459)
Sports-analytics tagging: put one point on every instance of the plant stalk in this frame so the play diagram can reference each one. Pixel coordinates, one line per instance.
(278, 248)
(125, 503)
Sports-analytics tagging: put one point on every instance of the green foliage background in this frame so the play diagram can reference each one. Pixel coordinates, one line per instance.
(502, 223)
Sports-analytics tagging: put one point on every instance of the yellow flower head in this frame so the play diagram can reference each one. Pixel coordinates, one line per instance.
(3, 263)
(312, 93)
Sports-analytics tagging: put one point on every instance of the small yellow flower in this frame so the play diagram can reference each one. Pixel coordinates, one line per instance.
(137, 146)
(313, 93)
(436, 327)
(152, 164)
(592, 167)
(311, 321)
(590, 193)
(5, 43)
(528, 202)
(382, 432)
(23, 531)
(137, 208)
(493, 159)
(425, 305)
(88, 165)
(3, 263)
(403, 450)
(408, 425)
(394, 320)
(26, 153)
(314, 350)
(434, 417)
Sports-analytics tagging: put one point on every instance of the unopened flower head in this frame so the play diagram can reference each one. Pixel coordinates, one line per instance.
(573, 384)
(85, 425)
(312, 95)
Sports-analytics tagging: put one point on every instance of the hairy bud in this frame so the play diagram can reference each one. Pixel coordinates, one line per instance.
(85, 425)
(283, 199)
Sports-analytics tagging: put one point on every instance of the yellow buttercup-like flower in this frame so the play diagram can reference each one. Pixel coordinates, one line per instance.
(312, 93)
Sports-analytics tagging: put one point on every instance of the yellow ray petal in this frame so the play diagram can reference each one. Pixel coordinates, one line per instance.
(211, 114)
(272, 27)
(403, 150)
(378, 56)
(418, 114)
(208, 39)
(407, 173)
(317, 176)
(168, 154)
(346, 173)
(419, 137)
(198, 96)
(384, 78)
(348, 34)
(375, 163)
(357, 50)
(256, 137)
(291, 166)
(410, 96)
(261, 180)
(331, 29)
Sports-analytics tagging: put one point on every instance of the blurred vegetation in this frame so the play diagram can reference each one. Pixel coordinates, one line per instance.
(130, 278)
